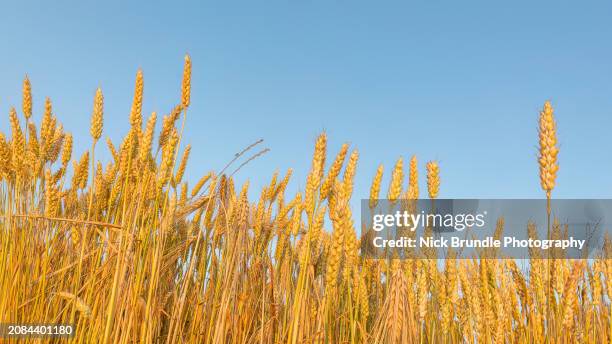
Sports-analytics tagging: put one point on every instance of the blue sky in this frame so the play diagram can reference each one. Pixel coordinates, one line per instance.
(460, 82)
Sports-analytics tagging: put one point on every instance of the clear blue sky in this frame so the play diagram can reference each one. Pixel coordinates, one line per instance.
(460, 82)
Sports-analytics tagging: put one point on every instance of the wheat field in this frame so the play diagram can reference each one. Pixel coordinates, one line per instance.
(127, 252)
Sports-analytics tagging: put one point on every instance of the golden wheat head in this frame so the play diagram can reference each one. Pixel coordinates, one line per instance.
(548, 149)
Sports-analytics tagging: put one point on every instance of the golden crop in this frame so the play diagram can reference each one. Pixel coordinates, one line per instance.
(130, 254)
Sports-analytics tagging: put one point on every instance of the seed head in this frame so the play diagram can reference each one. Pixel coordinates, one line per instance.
(200, 183)
(168, 125)
(136, 113)
(316, 172)
(548, 149)
(433, 179)
(145, 148)
(181, 169)
(27, 98)
(67, 150)
(375, 189)
(186, 87)
(334, 170)
(413, 187)
(349, 174)
(395, 189)
(97, 116)
(81, 172)
(46, 126)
